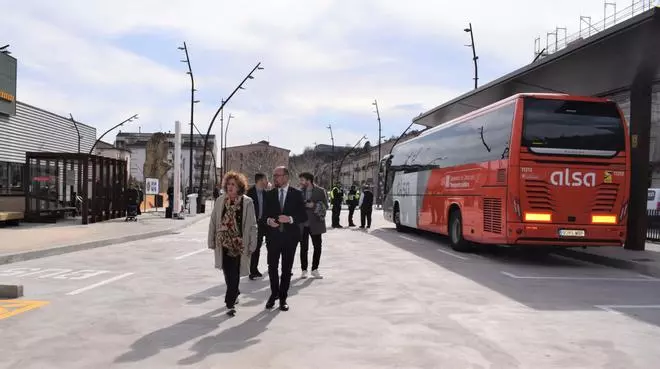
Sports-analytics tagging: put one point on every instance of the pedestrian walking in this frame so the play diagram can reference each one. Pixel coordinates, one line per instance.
(233, 234)
(285, 212)
(257, 194)
(336, 198)
(316, 204)
(366, 204)
(352, 202)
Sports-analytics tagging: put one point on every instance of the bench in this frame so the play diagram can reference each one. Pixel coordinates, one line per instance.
(11, 217)
(51, 215)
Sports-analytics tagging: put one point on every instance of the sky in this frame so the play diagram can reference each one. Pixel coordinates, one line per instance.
(325, 61)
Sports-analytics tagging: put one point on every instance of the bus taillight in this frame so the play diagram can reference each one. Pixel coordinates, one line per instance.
(603, 219)
(538, 217)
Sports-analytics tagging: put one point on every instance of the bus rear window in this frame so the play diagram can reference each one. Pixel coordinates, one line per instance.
(572, 127)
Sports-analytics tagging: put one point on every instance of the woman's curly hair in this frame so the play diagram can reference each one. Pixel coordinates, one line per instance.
(239, 178)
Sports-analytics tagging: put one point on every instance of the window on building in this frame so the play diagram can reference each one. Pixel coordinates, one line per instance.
(11, 178)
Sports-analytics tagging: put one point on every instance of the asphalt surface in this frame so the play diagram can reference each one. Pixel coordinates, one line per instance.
(388, 300)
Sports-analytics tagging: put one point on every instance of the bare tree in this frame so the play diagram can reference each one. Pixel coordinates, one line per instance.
(264, 160)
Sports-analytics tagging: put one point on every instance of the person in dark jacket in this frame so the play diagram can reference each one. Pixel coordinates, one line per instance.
(366, 206)
(336, 198)
(352, 202)
(316, 204)
(257, 193)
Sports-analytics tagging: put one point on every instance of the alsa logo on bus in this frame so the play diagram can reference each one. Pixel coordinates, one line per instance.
(573, 179)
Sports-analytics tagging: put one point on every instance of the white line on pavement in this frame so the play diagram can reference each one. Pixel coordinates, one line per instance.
(452, 254)
(409, 238)
(190, 254)
(613, 308)
(110, 280)
(572, 278)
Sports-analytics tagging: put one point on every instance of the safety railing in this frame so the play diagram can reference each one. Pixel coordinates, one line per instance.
(556, 43)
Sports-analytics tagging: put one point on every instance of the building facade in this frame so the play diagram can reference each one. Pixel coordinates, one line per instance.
(110, 151)
(34, 129)
(257, 157)
(137, 144)
(362, 169)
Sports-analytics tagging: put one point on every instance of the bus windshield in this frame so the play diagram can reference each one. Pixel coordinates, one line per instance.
(572, 127)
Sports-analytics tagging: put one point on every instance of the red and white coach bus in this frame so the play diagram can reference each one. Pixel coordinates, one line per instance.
(533, 169)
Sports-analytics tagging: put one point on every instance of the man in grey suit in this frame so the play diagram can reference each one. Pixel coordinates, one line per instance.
(316, 204)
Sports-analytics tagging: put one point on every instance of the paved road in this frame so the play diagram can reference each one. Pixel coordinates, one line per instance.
(389, 300)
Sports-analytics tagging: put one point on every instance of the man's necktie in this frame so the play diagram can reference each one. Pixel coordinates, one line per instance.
(281, 207)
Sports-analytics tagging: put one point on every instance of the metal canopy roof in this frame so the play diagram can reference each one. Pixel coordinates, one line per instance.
(604, 63)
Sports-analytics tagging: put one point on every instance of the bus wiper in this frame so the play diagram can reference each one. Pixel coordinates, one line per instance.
(481, 133)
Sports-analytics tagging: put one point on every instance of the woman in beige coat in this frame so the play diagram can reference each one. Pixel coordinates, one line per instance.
(233, 234)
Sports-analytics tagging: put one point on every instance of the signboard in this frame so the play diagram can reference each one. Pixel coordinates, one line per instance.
(151, 185)
(7, 85)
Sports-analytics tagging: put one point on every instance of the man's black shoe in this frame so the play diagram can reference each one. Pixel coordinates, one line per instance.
(284, 306)
(270, 303)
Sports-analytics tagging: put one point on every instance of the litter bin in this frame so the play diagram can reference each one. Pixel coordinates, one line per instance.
(192, 204)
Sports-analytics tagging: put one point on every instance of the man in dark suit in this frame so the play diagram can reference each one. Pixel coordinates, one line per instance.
(285, 212)
(257, 193)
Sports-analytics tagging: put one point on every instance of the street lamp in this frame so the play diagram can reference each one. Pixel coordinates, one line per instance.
(192, 113)
(332, 157)
(224, 151)
(474, 55)
(208, 132)
(375, 103)
(350, 151)
(75, 125)
(135, 116)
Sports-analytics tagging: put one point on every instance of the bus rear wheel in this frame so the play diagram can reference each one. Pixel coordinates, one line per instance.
(457, 242)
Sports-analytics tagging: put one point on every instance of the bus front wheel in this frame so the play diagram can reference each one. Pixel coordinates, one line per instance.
(397, 220)
(456, 239)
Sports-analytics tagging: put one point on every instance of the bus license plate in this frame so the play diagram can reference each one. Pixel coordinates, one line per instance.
(571, 233)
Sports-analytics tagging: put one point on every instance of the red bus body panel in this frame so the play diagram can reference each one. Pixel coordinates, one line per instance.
(488, 193)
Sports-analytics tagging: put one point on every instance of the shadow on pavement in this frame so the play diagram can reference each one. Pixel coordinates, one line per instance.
(231, 339)
(237, 338)
(256, 290)
(486, 267)
(173, 336)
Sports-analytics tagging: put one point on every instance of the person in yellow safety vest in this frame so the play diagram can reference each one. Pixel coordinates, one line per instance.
(336, 198)
(352, 201)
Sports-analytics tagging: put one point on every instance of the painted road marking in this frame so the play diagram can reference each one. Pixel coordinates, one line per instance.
(570, 278)
(409, 238)
(110, 280)
(452, 254)
(614, 308)
(10, 308)
(190, 254)
(54, 273)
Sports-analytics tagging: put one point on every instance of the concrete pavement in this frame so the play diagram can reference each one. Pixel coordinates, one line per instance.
(30, 241)
(388, 300)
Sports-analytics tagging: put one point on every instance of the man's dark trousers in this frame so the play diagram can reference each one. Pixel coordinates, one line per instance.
(336, 210)
(365, 214)
(254, 261)
(279, 286)
(304, 248)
